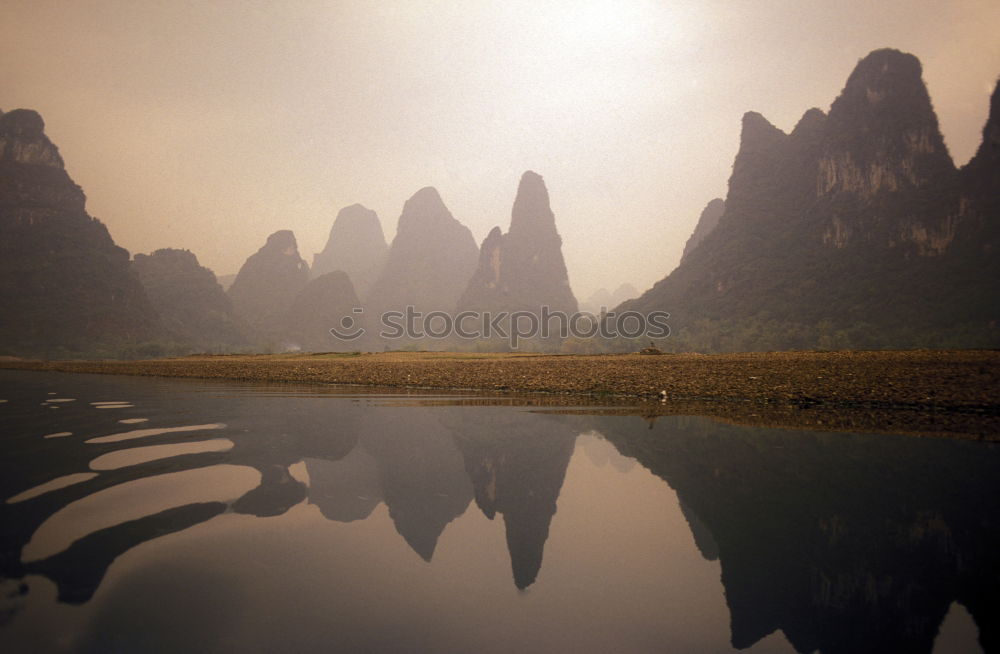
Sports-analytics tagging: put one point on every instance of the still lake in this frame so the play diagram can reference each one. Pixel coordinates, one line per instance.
(168, 515)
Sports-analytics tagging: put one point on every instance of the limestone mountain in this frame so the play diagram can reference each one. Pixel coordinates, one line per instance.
(883, 165)
(64, 284)
(268, 283)
(707, 221)
(843, 232)
(605, 299)
(430, 260)
(324, 303)
(356, 245)
(189, 300)
(522, 270)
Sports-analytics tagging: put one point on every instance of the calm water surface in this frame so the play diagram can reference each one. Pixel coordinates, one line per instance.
(141, 515)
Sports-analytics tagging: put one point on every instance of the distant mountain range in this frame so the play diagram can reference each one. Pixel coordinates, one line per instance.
(603, 299)
(855, 230)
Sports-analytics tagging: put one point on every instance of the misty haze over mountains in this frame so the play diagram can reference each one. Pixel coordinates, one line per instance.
(854, 230)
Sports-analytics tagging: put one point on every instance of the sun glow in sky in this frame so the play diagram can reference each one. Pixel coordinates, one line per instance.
(209, 125)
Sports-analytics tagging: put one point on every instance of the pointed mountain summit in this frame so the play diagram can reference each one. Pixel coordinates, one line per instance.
(188, 299)
(882, 134)
(854, 230)
(65, 284)
(884, 174)
(531, 214)
(356, 246)
(524, 269)
(268, 283)
(430, 259)
(23, 141)
(772, 170)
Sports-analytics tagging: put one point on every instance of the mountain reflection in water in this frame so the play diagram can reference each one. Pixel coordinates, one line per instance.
(840, 542)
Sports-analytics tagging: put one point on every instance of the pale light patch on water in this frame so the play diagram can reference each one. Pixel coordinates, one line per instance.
(62, 399)
(133, 421)
(143, 433)
(49, 486)
(137, 499)
(601, 452)
(135, 456)
(58, 434)
(3, 401)
(299, 472)
(120, 404)
(958, 632)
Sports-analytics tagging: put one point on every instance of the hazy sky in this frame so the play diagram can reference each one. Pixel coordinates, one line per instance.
(209, 125)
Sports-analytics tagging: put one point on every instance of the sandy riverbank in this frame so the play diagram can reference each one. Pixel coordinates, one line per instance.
(932, 392)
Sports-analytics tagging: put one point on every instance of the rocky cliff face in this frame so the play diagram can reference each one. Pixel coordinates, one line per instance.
(882, 134)
(707, 221)
(64, 284)
(190, 302)
(522, 270)
(882, 149)
(856, 220)
(268, 283)
(23, 141)
(356, 246)
(430, 260)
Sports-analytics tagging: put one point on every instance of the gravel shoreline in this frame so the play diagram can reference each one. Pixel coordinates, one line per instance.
(922, 391)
